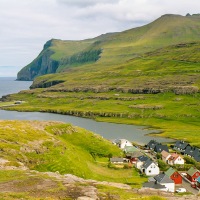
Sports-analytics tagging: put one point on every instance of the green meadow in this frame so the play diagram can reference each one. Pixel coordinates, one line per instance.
(158, 89)
(57, 147)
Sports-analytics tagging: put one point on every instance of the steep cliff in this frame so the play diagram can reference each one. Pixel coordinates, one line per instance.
(43, 64)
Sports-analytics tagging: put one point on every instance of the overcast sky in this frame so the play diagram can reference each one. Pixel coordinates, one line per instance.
(25, 25)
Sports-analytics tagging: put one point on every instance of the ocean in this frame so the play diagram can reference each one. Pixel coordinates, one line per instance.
(8, 85)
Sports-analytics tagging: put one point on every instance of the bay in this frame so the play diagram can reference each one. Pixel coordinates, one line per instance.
(8, 85)
(107, 130)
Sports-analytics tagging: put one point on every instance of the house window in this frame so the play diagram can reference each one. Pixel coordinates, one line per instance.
(149, 171)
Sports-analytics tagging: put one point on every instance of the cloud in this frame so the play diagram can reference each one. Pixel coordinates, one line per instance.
(85, 3)
(27, 24)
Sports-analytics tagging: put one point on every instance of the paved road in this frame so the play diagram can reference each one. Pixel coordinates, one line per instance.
(188, 187)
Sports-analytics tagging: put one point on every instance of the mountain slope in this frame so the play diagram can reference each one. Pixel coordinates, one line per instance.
(114, 48)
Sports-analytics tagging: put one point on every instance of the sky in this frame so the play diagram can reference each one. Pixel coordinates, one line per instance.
(25, 25)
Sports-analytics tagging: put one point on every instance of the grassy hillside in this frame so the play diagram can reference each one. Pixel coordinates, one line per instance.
(58, 147)
(114, 48)
(148, 75)
(159, 88)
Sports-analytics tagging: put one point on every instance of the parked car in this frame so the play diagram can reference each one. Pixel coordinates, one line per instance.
(180, 190)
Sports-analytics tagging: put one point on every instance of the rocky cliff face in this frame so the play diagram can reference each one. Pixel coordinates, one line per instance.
(43, 64)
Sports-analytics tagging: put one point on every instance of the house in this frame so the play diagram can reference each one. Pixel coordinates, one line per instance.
(163, 179)
(161, 182)
(196, 154)
(193, 152)
(154, 185)
(122, 143)
(159, 148)
(151, 145)
(198, 182)
(133, 157)
(165, 156)
(130, 149)
(176, 159)
(180, 145)
(193, 174)
(189, 151)
(117, 160)
(150, 168)
(174, 175)
(140, 161)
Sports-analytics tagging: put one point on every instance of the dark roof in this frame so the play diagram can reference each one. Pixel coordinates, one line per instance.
(189, 150)
(116, 159)
(159, 148)
(152, 144)
(153, 185)
(197, 157)
(143, 158)
(147, 163)
(192, 151)
(163, 178)
(181, 144)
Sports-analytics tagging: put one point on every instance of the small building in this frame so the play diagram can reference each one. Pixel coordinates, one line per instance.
(181, 145)
(133, 157)
(165, 156)
(163, 179)
(161, 182)
(193, 174)
(130, 149)
(159, 148)
(151, 145)
(150, 168)
(189, 151)
(140, 161)
(196, 154)
(122, 143)
(154, 185)
(174, 175)
(117, 160)
(176, 159)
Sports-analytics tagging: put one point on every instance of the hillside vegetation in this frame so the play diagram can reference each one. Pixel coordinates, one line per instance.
(62, 148)
(39, 160)
(112, 49)
(148, 75)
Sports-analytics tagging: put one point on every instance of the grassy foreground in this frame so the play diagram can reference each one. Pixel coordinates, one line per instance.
(29, 150)
(39, 186)
(51, 146)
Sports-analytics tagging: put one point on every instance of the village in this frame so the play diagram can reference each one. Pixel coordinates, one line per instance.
(173, 168)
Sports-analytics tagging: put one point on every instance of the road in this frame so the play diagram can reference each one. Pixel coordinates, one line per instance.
(188, 187)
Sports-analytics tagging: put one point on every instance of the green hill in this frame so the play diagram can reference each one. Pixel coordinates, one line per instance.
(114, 48)
(148, 75)
(63, 148)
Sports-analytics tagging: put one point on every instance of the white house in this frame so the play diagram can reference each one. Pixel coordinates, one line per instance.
(150, 168)
(172, 159)
(122, 143)
(177, 159)
(164, 180)
(141, 160)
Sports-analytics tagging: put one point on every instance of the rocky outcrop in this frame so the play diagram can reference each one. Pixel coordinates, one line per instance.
(43, 64)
